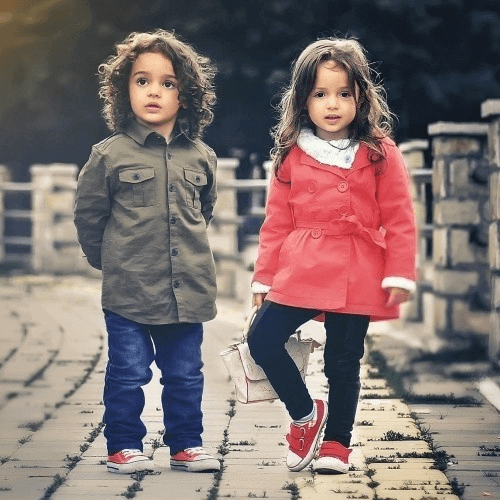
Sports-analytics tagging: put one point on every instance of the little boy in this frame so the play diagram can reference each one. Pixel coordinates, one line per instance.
(143, 203)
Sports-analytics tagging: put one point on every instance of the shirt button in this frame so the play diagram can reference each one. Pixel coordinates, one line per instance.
(171, 188)
(175, 252)
(177, 284)
(173, 220)
(312, 188)
(316, 232)
(342, 186)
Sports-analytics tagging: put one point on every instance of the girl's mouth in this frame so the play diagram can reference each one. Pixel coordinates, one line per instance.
(332, 118)
(152, 106)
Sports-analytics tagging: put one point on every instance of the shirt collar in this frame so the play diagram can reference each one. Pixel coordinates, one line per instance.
(140, 133)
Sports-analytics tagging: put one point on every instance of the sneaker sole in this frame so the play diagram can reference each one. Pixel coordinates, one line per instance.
(330, 465)
(129, 468)
(308, 458)
(199, 466)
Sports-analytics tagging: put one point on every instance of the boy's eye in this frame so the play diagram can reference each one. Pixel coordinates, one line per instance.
(169, 84)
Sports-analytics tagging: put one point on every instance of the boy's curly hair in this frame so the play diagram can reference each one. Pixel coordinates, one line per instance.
(194, 72)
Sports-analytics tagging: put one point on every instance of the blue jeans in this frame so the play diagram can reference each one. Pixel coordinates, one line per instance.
(132, 348)
(345, 335)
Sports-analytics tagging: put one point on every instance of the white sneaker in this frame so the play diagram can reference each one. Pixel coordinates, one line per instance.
(194, 460)
(128, 461)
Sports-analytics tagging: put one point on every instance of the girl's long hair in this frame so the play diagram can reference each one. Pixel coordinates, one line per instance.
(194, 72)
(373, 120)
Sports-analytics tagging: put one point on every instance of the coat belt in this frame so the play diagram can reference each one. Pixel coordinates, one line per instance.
(343, 227)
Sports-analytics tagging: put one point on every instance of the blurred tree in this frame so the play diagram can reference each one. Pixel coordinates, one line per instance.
(439, 59)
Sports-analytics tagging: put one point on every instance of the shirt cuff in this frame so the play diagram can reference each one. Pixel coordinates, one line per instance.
(260, 287)
(399, 282)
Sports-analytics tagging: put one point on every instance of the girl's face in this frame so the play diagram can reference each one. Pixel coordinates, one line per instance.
(331, 105)
(154, 92)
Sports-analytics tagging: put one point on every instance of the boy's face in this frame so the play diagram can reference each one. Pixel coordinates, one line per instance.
(154, 92)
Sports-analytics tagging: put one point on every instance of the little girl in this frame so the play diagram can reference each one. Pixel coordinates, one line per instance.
(338, 240)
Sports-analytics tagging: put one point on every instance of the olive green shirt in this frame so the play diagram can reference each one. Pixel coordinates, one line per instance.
(142, 209)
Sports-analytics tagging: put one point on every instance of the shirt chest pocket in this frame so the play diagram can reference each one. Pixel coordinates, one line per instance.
(138, 185)
(194, 183)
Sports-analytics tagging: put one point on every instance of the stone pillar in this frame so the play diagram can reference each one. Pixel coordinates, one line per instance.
(421, 177)
(491, 110)
(4, 177)
(223, 229)
(460, 237)
(55, 247)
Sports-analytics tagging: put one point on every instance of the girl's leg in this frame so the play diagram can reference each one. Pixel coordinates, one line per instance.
(345, 334)
(130, 354)
(272, 327)
(178, 356)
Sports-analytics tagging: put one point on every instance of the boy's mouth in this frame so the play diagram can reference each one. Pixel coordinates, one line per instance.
(152, 106)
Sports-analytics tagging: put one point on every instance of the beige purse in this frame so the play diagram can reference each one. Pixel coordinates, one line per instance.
(252, 385)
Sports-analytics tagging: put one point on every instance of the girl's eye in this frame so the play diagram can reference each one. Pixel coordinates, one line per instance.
(141, 82)
(345, 94)
(319, 94)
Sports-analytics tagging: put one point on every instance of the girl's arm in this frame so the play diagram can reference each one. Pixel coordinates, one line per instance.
(398, 219)
(277, 225)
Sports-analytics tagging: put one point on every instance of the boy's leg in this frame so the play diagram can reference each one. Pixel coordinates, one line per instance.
(178, 356)
(130, 354)
(345, 335)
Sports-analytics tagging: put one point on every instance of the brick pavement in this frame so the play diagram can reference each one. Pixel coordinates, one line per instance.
(52, 360)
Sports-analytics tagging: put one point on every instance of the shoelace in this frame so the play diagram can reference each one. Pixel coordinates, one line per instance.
(129, 452)
(197, 450)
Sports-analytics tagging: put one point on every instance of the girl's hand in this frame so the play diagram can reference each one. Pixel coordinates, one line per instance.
(397, 296)
(258, 299)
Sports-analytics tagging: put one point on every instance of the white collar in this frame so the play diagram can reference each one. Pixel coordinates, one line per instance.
(326, 151)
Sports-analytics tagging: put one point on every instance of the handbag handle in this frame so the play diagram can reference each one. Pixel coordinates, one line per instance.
(248, 322)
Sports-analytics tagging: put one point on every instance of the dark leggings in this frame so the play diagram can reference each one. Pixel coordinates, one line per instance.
(345, 334)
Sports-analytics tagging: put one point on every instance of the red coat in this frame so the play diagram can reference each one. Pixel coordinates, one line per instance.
(331, 235)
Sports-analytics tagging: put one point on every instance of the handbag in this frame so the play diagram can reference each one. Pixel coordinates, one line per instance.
(252, 384)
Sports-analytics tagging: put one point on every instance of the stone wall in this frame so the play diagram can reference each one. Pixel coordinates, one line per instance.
(491, 111)
(460, 236)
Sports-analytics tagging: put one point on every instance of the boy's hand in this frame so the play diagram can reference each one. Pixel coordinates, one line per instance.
(397, 296)
(258, 299)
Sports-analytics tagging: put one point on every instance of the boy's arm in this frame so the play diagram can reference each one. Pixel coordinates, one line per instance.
(208, 196)
(92, 207)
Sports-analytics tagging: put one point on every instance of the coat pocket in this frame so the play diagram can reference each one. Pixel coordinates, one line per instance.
(139, 186)
(195, 181)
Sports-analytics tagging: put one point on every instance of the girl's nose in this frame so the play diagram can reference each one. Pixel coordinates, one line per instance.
(332, 102)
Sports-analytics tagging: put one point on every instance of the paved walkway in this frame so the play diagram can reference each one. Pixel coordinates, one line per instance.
(52, 360)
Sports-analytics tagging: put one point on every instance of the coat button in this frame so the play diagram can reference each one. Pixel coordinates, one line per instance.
(342, 186)
(175, 252)
(316, 232)
(197, 178)
(177, 284)
(171, 188)
(313, 187)
(173, 220)
(169, 156)
(343, 210)
(136, 177)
